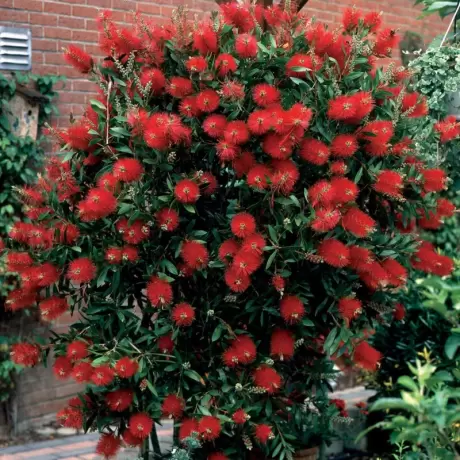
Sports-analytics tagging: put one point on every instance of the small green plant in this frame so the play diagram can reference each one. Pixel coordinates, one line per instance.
(425, 417)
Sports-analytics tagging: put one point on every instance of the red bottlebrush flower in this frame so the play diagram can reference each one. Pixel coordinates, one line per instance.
(339, 403)
(155, 78)
(254, 244)
(389, 183)
(239, 16)
(314, 151)
(364, 105)
(196, 64)
(292, 309)
(187, 191)
(82, 372)
(237, 282)
(208, 100)
(338, 168)
(81, 270)
(246, 263)
(434, 180)
(414, 105)
(173, 406)
(195, 254)
(299, 116)
(209, 183)
(403, 148)
(188, 428)
(70, 418)
(107, 182)
(265, 95)
(166, 344)
(267, 378)
(108, 445)
(282, 344)
(159, 292)
(385, 43)
(325, 219)
(342, 108)
(350, 19)
(442, 266)
(278, 146)
(245, 349)
(230, 357)
(334, 253)
(183, 314)
(62, 367)
(233, 90)
(131, 440)
(113, 256)
(214, 125)
(187, 108)
(78, 58)
(205, 40)
(278, 283)
(361, 259)
(155, 136)
(246, 46)
(225, 64)
(77, 350)
(31, 196)
(209, 428)
(321, 193)
(367, 356)
(397, 273)
(126, 367)
(304, 61)
(263, 433)
(77, 136)
(134, 233)
(45, 275)
(344, 145)
(66, 233)
(345, 190)
(167, 219)
(179, 87)
(378, 133)
(399, 312)
(129, 254)
(227, 151)
(52, 308)
(257, 177)
(375, 277)
(185, 270)
(236, 132)
(25, 354)
(448, 128)
(285, 176)
(119, 400)
(445, 208)
(128, 170)
(102, 375)
(99, 203)
(243, 225)
(358, 223)
(349, 308)
(217, 456)
(228, 249)
(16, 262)
(373, 21)
(240, 417)
(259, 122)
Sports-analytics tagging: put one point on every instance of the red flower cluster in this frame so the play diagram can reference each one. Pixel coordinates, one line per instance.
(241, 351)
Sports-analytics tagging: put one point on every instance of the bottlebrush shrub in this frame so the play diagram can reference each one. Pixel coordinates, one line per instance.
(225, 218)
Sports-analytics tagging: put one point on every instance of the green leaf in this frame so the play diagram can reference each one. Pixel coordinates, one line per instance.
(217, 333)
(451, 345)
(408, 383)
(390, 403)
(118, 131)
(271, 259)
(97, 104)
(190, 208)
(194, 375)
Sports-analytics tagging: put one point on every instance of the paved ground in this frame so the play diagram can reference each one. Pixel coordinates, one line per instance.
(82, 447)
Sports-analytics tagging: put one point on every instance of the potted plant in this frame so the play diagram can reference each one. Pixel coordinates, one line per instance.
(226, 218)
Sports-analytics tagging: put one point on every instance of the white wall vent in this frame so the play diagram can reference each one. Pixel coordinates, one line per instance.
(15, 49)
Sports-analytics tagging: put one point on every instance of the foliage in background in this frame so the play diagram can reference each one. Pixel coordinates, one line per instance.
(442, 7)
(20, 160)
(228, 218)
(425, 419)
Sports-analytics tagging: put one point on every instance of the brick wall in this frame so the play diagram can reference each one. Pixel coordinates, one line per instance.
(56, 24)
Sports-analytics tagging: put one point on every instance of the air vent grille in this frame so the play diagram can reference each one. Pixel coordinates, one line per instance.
(15, 49)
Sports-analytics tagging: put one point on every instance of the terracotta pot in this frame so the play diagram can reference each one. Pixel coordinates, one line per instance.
(307, 454)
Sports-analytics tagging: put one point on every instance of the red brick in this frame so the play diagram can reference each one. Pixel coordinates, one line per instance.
(7, 3)
(83, 85)
(45, 45)
(85, 36)
(37, 31)
(57, 8)
(101, 3)
(57, 32)
(148, 8)
(29, 5)
(84, 11)
(37, 58)
(43, 19)
(13, 15)
(122, 4)
(54, 58)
